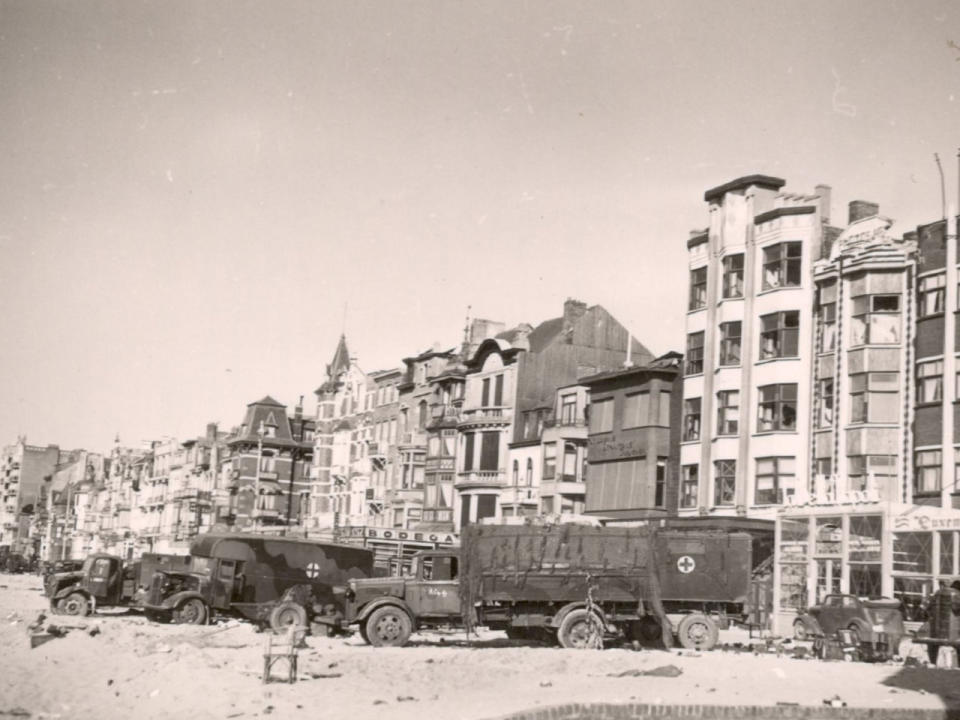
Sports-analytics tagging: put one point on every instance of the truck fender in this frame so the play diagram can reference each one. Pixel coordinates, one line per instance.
(558, 617)
(61, 594)
(380, 602)
(174, 600)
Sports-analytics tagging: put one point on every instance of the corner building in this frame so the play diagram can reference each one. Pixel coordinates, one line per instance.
(748, 362)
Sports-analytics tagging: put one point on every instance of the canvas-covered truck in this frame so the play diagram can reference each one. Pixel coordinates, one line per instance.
(264, 578)
(574, 584)
(106, 581)
(942, 629)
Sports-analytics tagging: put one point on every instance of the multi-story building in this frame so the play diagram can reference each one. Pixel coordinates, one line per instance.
(563, 454)
(23, 469)
(748, 361)
(510, 390)
(634, 441)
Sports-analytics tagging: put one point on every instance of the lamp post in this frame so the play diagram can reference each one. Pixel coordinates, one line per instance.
(256, 479)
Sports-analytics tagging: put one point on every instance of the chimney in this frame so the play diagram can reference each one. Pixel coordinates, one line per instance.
(573, 310)
(823, 205)
(860, 209)
(211, 431)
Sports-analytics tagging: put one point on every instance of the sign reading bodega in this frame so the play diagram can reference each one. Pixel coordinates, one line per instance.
(404, 535)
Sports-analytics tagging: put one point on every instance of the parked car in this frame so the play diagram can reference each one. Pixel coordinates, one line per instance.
(875, 626)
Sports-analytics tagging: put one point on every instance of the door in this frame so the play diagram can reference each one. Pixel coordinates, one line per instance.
(436, 592)
(105, 581)
(223, 584)
(828, 578)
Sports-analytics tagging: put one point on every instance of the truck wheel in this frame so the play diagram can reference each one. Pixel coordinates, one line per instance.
(581, 631)
(363, 632)
(74, 604)
(192, 612)
(287, 613)
(388, 626)
(697, 632)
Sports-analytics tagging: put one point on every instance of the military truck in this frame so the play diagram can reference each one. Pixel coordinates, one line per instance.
(270, 580)
(106, 581)
(943, 627)
(572, 584)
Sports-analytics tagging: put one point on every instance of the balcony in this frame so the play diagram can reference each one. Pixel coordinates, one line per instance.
(485, 416)
(479, 478)
(376, 449)
(563, 485)
(268, 475)
(415, 439)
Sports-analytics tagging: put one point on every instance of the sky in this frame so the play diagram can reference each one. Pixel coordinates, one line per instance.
(197, 198)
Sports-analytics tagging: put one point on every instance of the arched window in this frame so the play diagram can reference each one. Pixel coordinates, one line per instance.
(529, 477)
(516, 472)
(422, 421)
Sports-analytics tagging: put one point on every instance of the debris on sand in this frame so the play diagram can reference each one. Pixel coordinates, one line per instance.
(661, 671)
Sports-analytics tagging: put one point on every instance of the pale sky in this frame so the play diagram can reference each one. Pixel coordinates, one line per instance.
(190, 192)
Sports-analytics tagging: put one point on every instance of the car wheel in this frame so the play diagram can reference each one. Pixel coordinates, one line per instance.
(697, 632)
(581, 631)
(388, 626)
(286, 614)
(800, 631)
(74, 604)
(192, 612)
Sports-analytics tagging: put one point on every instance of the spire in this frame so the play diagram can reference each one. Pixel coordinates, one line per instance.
(341, 359)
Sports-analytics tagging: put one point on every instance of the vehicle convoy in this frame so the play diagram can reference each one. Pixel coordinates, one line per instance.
(106, 581)
(267, 579)
(574, 584)
(875, 626)
(943, 627)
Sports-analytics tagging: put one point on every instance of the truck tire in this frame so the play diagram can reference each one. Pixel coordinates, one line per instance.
(697, 632)
(580, 631)
(192, 612)
(74, 604)
(363, 632)
(287, 613)
(388, 626)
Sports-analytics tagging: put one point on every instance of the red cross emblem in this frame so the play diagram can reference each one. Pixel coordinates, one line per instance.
(686, 564)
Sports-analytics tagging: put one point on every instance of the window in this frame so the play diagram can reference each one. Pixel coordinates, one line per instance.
(529, 476)
(498, 390)
(569, 473)
(779, 334)
(730, 343)
(828, 324)
(775, 479)
(781, 265)
(468, 441)
(694, 353)
(601, 416)
(932, 295)
(422, 415)
(549, 460)
(698, 288)
(778, 407)
(490, 451)
(930, 381)
(874, 397)
(663, 408)
(728, 412)
(926, 472)
(825, 399)
(568, 409)
(689, 486)
(636, 410)
(516, 473)
(860, 468)
(691, 419)
(659, 499)
(733, 276)
(485, 393)
(876, 320)
(724, 482)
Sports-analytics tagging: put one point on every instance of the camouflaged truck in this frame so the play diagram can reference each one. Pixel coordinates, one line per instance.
(270, 580)
(573, 584)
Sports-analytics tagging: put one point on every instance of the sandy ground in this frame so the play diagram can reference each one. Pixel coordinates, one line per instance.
(135, 668)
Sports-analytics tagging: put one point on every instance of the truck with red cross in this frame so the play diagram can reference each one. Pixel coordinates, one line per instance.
(268, 579)
(577, 585)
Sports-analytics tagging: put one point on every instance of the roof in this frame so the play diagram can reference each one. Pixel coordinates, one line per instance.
(544, 334)
(267, 400)
(341, 359)
(742, 183)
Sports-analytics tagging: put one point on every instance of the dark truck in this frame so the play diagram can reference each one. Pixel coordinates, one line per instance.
(266, 579)
(106, 581)
(569, 583)
(942, 628)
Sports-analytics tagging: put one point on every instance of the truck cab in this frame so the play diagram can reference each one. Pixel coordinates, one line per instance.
(103, 581)
(388, 610)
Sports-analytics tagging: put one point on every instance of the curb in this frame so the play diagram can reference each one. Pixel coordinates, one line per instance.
(630, 711)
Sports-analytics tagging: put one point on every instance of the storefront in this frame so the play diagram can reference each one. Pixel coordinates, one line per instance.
(868, 549)
(393, 548)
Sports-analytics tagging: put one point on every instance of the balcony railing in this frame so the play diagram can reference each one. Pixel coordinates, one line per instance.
(480, 477)
(486, 416)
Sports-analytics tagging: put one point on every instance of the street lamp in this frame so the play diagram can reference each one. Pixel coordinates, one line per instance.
(256, 478)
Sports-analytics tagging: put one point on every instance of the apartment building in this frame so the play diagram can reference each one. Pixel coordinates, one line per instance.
(23, 470)
(748, 362)
(561, 460)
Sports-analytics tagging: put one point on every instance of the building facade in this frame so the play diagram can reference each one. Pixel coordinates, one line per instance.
(23, 470)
